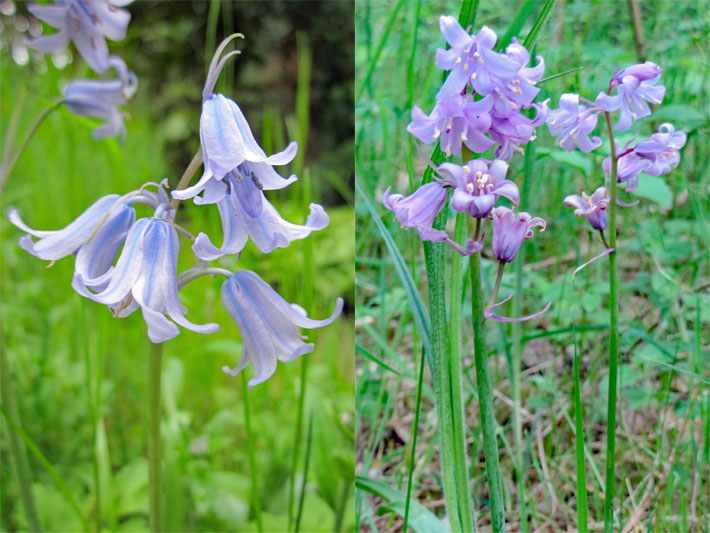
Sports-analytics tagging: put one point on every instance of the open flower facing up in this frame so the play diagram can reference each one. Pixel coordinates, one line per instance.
(454, 122)
(102, 98)
(227, 140)
(268, 324)
(573, 122)
(592, 207)
(635, 86)
(477, 186)
(246, 213)
(510, 229)
(145, 276)
(86, 23)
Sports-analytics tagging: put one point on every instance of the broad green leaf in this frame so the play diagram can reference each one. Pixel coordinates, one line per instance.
(656, 189)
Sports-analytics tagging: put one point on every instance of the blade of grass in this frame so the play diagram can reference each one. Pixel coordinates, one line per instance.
(579, 447)
(538, 24)
(521, 15)
(301, 499)
(362, 351)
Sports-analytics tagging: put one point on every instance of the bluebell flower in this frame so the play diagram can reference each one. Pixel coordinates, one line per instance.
(593, 207)
(145, 276)
(573, 122)
(635, 86)
(86, 23)
(102, 98)
(515, 130)
(268, 324)
(510, 229)
(227, 141)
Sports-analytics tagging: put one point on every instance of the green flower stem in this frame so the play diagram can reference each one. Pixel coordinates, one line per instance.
(613, 339)
(155, 474)
(579, 447)
(485, 399)
(463, 491)
(7, 169)
(18, 453)
(253, 475)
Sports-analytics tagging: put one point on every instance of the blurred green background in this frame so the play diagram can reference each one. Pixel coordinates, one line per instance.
(79, 375)
(664, 267)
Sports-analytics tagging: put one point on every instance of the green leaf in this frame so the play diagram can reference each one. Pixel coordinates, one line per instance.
(521, 15)
(683, 117)
(575, 159)
(655, 189)
(537, 25)
(421, 519)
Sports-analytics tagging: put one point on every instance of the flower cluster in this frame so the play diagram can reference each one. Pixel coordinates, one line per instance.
(501, 86)
(127, 263)
(636, 87)
(88, 25)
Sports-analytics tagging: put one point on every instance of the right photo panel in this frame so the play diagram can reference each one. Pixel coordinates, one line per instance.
(532, 266)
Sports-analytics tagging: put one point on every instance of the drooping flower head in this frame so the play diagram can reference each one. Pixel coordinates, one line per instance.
(268, 324)
(635, 86)
(478, 185)
(227, 140)
(510, 229)
(86, 23)
(516, 130)
(592, 207)
(573, 122)
(102, 98)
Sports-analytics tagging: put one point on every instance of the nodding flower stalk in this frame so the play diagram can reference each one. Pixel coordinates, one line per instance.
(479, 107)
(128, 262)
(636, 87)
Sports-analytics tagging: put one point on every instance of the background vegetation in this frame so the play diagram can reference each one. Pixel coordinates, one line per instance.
(663, 440)
(79, 376)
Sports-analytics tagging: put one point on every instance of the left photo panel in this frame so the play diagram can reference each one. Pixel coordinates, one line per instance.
(177, 266)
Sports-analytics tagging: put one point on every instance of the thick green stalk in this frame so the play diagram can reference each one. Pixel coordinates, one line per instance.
(253, 475)
(579, 447)
(613, 339)
(155, 474)
(455, 370)
(485, 399)
(414, 432)
(18, 453)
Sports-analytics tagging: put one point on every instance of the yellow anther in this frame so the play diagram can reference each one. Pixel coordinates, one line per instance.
(458, 60)
(473, 76)
(465, 67)
(437, 134)
(469, 188)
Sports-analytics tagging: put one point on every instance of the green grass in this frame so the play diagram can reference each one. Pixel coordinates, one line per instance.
(80, 376)
(664, 272)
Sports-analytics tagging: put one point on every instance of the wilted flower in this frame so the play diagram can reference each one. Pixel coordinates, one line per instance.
(102, 98)
(573, 122)
(268, 324)
(510, 229)
(454, 122)
(246, 213)
(478, 186)
(592, 207)
(86, 24)
(227, 140)
(635, 86)
(145, 276)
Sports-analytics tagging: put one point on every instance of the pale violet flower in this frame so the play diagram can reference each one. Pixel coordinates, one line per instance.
(510, 229)
(516, 130)
(145, 276)
(102, 99)
(246, 213)
(635, 86)
(592, 207)
(573, 122)
(87, 23)
(268, 324)
(478, 185)
(515, 93)
(227, 142)
(661, 150)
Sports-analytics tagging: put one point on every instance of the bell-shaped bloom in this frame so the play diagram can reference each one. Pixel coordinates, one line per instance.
(471, 60)
(573, 122)
(268, 324)
(246, 213)
(102, 99)
(86, 23)
(516, 130)
(592, 207)
(661, 150)
(454, 122)
(227, 140)
(635, 86)
(477, 186)
(510, 229)
(145, 276)
(510, 95)
(54, 245)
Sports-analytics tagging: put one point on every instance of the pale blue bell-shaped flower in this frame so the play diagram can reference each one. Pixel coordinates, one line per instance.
(268, 324)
